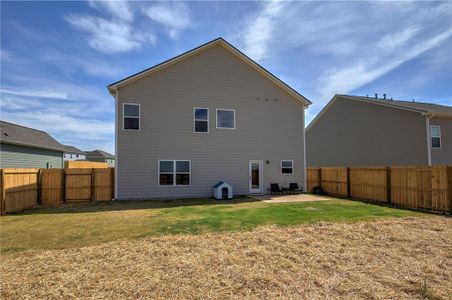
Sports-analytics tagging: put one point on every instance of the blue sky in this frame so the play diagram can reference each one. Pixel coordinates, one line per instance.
(58, 57)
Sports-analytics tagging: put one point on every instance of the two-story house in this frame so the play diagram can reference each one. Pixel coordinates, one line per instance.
(364, 131)
(210, 114)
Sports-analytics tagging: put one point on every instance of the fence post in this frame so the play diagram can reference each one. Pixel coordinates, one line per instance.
(112, 175)
(39, 183)
(449, 190)
(92, 185)
(2, 194)
(349, 194)
(320, 177)
(63, 187)
(388, 185)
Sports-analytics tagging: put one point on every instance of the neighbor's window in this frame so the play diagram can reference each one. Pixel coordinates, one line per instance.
(201, 116)
(131, 114)
(435, 135)
(174, 172)
(287, 166)
(226, 118)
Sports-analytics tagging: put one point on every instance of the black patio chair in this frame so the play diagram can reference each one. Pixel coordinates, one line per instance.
(294, 188)
(274, 189)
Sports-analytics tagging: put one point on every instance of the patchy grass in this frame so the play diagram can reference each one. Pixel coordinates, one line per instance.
(397, 258)
(77, 225)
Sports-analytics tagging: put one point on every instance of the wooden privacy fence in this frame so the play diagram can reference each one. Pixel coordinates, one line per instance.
(79, 164)
(24, 188)
(418, 187)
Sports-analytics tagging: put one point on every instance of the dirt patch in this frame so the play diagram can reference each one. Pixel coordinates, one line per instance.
(398, 258)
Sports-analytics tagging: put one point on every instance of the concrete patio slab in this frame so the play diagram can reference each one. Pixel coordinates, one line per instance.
(291, 198)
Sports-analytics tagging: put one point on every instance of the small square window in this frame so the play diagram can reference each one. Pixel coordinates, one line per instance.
(226, 118)
(287, 166)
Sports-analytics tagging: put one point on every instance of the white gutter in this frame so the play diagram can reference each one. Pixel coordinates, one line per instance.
(429, 148)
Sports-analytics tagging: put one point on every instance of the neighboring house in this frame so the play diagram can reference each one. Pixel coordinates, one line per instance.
(208, 115)
(101, 156)
(24, 147)
(73, 153)
(362, 131)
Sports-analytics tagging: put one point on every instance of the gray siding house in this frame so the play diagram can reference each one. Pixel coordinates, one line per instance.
(101, 156)
(208, 115)
(362, 131)
(24, 147)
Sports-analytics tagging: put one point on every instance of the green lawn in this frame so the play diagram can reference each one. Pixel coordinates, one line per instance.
(75, 225)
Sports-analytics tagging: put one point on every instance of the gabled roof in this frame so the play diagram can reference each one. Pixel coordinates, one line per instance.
(417, 107)
(430, 108)
(26, 136)
(99, 153)
(221, 42)
(72, 149)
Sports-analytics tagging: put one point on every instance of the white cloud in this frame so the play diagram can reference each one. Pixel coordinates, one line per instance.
(352, 77)
(260, 30)
(397, 39)
(62, 124)
(52, 94)
(111, 36)
(119, 9)
(175, 16)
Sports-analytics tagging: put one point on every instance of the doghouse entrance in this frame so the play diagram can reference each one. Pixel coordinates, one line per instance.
(224, 193)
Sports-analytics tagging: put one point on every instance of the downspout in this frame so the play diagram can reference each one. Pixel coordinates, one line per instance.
(116, 145)
(429, 148)
(304, 150)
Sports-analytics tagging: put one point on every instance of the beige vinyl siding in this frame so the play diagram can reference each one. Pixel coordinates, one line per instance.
(355, 133)
(269, 128)
(443, 156)
(16, 156)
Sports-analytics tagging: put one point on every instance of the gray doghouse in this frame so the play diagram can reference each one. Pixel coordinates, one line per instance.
(222, 190)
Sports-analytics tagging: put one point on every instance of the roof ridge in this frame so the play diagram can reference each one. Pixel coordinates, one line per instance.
(398, 100)
(23, 126)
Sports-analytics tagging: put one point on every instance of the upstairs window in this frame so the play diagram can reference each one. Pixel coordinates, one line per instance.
(131, 114)
(174, 172)
(287, 166)
(226, 118)
(201, 116)
(435, 136)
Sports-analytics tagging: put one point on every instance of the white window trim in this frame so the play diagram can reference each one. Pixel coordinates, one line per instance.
(139, 117)
(194, 120)
(281, 167)
(174, 172)
(440, 140)
(216, 118)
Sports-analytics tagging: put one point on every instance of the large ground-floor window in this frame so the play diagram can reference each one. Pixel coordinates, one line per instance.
(174, 172)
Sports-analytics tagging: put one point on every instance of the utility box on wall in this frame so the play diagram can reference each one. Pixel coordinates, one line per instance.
(222, 191)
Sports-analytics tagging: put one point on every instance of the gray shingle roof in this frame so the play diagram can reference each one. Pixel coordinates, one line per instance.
(99, 153)
(17, 134)
(431, 108)
(72, 149)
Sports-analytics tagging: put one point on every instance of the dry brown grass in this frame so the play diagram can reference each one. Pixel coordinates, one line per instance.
(397, 258)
